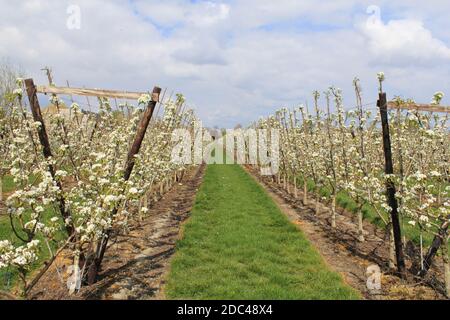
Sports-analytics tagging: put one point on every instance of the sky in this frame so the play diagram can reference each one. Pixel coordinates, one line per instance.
(235, 60)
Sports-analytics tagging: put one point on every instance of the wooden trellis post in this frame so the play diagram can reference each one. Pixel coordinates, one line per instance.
(439, 240)
(442, 235)
(390, 187)
(129, 166)
(47, 151)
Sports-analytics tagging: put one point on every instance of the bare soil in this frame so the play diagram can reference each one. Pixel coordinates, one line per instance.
(136, 264)
(342, 250)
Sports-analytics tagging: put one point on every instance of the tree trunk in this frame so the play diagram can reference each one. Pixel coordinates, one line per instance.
(333, 213)
(305, 192)
(421, 252)
(140, 207)
(295, 188)
(317, 210)
(391, 248)
(446, 270)
(146, 200)
(360, 226)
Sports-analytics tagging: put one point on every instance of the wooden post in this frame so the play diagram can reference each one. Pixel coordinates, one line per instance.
(131, 161)
(43, 138)
(390, 187)
(142, 129)
(439, 240)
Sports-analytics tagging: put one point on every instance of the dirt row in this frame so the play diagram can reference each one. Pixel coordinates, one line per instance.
(137, 263)
(341, 249)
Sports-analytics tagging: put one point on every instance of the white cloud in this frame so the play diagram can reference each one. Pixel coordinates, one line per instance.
(401, 42)
(171, 13)
(209, 14)
(225, 56)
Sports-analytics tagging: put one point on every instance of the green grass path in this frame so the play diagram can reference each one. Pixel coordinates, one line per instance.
(238, 245)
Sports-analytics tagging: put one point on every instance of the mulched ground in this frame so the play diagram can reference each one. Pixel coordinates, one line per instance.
(136, 264)
(342, 250)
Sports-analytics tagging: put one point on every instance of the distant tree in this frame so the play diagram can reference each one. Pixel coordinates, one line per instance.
(8, 76)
